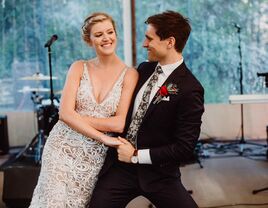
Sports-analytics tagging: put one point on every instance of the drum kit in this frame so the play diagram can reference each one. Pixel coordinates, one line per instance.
(46, 111)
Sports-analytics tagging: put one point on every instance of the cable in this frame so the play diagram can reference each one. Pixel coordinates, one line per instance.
(256, 158)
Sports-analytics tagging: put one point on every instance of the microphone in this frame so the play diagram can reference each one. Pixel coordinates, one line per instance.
(51, 40)
(236, 25)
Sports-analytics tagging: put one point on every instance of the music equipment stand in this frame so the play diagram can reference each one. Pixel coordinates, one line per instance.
(37, 143)
(240, 70)
(266, 188)
(247, 99)
(242, 140)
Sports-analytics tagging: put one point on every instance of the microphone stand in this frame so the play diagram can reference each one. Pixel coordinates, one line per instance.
(242, 140)
(52, 110)
(37, 143)
(50, 75)
(240, 69)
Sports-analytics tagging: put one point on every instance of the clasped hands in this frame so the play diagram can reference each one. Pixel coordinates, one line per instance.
(124, 148)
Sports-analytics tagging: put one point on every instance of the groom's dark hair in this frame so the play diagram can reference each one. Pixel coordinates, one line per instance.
(171, 24)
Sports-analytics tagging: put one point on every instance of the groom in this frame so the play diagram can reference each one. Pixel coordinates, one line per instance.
(162, 126)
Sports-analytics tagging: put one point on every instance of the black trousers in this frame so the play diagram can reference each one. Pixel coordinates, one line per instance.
(119, 185)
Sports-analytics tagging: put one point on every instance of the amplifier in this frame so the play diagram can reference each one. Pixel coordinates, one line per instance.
(19, 184)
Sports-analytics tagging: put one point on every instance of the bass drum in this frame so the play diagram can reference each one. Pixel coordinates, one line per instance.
(50, 115)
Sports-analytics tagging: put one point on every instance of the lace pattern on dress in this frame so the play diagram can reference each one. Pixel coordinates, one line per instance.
(70, 160)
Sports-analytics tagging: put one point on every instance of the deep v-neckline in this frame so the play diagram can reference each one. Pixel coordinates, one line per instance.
(109, 91)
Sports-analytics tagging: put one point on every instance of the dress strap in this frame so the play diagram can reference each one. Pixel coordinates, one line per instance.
(85, 71)
(119, 80)
(122, 75)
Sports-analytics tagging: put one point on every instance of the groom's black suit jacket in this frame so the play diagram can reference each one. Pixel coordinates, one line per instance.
(170, 129)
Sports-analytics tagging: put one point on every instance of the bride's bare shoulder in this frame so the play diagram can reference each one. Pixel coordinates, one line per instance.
(131, 74)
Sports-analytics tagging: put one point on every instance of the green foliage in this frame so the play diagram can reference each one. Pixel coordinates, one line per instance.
(27, 25)
(211, 52)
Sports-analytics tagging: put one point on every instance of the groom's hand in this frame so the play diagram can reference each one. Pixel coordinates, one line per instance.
(125, 150)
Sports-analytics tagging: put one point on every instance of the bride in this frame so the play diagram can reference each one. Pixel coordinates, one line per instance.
(95, 100)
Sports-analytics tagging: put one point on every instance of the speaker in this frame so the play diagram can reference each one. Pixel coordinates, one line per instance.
(4, 142)
(19, 184)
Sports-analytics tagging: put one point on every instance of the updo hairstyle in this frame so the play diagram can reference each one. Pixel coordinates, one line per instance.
(92, 20)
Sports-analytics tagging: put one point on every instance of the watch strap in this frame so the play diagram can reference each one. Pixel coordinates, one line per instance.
(135, 153)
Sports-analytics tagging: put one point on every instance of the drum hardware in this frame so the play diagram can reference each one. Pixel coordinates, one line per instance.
(35, 147)
(27, 89)
(38, 77)
(36, 98)
(47, 115)
(59, 92)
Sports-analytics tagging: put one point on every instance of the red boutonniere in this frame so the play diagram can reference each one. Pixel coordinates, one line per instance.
(164, 91)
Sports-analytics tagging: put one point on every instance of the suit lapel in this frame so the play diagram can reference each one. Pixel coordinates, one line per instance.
(174, 77)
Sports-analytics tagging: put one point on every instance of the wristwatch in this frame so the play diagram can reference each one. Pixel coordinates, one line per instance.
(134, 159)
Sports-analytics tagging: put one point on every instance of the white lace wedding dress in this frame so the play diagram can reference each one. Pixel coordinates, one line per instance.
(71, 161)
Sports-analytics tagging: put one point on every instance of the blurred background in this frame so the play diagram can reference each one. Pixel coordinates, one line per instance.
(211, 53)
(227, 49)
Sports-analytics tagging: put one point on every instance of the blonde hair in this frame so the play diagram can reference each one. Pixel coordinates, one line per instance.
(92, 20)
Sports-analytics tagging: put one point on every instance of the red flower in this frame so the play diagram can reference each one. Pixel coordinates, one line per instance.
(163, 91)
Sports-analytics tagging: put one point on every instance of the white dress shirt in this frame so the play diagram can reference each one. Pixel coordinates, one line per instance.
(144, 154)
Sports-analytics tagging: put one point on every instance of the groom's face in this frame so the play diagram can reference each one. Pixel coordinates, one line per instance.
(156, 48)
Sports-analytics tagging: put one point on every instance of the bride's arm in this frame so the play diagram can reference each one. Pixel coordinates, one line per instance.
(116, 123)
(67, 111)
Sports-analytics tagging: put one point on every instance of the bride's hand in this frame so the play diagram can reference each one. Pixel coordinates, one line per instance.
(111, 141)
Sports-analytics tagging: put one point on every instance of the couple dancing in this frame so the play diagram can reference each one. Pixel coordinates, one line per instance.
(123, 132)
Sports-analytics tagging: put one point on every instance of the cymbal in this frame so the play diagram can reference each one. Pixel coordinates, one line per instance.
(38, 77)
(59, 92)
(29, 89)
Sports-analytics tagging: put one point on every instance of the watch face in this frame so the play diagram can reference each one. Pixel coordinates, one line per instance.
(134, 159)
